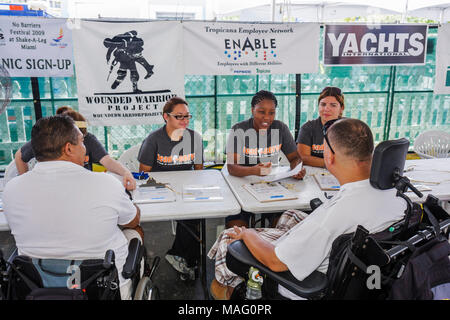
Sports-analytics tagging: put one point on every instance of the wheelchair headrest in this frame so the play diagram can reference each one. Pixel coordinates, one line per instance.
(389, 157)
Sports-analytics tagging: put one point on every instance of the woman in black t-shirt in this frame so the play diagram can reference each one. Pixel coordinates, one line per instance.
(170, 148)
(95, 152)
(310, 136)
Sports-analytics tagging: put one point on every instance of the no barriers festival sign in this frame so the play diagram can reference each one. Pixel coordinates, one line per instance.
(126, 72)
(374, 44)
(36, 47)
(245, 49)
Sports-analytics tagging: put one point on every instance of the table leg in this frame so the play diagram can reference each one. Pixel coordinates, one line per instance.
(203, 257)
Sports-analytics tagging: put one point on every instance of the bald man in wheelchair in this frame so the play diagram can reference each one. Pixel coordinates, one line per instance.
(302, 243)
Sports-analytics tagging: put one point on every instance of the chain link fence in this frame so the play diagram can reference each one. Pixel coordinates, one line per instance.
(394, 101)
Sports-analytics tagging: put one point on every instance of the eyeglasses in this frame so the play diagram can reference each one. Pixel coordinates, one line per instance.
(332, 90)
(325, 129)
(180, 116)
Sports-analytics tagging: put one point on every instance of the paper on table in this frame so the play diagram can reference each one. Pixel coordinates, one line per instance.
(282, 175)
(269, 191)
(420, 187)
(202, 193)
(327, 181)
(153, 194)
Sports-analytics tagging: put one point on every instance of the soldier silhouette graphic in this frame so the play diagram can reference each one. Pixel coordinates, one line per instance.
(127, 50)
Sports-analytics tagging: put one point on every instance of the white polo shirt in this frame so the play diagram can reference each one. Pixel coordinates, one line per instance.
(307, 246)
(61, 210)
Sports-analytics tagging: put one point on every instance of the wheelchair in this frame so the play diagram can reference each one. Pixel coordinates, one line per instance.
(424, 225)
(25, 278)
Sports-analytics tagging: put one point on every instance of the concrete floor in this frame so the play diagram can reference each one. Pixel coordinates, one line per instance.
(158, 239)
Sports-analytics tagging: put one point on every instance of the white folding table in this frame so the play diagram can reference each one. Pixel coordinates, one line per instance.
(305, 190)
(434, 173)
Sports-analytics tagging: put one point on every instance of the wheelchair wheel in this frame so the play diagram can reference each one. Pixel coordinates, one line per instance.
(145, 290)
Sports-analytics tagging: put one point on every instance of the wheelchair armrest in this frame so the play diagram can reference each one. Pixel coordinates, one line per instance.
(239, 257)
(133, 258)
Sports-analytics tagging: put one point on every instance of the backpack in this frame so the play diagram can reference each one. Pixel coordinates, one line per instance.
(426, 274)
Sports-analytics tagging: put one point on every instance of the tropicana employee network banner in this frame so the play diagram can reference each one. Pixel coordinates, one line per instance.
(126, 72)
(243, 49)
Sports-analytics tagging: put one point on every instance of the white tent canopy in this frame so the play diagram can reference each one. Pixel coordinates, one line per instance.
(329, 11)
(261, 10)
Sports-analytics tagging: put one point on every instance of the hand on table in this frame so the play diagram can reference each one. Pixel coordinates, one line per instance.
(300, 175)
(264, 168)
(128, 181)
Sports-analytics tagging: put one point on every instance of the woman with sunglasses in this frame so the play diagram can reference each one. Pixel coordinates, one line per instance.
(95, 152)
(310, 138)
(170, 148)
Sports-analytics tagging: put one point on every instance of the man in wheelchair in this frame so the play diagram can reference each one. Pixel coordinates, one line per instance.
(61, 211)
(408, 260)
(303, 245)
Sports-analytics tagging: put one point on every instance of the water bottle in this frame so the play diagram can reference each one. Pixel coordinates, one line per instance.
(254, 284)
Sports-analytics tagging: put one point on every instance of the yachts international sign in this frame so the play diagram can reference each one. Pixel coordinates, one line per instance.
(375, 45)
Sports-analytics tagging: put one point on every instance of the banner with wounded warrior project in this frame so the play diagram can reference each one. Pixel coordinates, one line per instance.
(442, 80)
(126, 72)
(244, 49)
(374, 44)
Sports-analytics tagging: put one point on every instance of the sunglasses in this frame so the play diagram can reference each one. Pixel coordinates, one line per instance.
(332, 90)
(325, 129)
(180, 116)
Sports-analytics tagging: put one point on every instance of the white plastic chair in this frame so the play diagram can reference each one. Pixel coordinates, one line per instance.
(11, 170)
(433, 144)
(129, 158)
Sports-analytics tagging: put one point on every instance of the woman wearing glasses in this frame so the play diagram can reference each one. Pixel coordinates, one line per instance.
(95, 152)
(169, 148)
(310, 138)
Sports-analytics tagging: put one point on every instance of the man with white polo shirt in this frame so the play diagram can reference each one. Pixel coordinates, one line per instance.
(60, 210)
(303, 245)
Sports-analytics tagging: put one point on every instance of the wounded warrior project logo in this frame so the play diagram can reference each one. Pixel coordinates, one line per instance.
(125, 52)
(389, 44)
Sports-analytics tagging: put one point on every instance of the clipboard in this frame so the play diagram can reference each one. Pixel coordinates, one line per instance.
(269, 191)
(153, 194)
(202, 193)
(327, 182)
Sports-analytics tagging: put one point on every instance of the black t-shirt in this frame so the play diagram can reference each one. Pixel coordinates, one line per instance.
(311, 134)
(94, 151)
(163, 154)
(254, 147)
